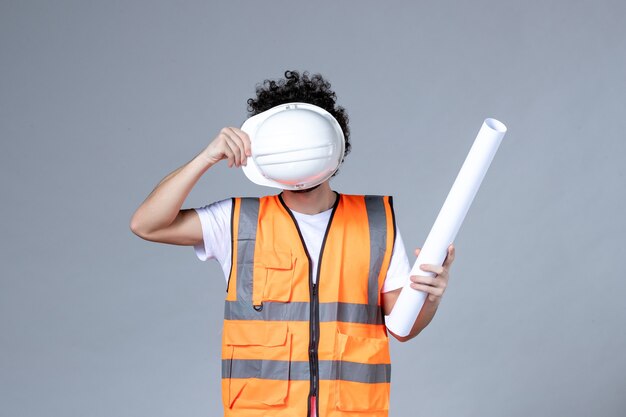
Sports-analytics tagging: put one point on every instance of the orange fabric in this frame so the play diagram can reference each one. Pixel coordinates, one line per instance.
(280, 275)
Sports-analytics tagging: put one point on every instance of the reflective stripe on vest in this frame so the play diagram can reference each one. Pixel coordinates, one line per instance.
(286, 339)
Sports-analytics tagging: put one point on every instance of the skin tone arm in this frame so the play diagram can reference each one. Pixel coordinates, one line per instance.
(160, 218)
(434, 287)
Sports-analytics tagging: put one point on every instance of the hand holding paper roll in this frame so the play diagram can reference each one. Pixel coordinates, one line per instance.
(433, 279)
(446, 226)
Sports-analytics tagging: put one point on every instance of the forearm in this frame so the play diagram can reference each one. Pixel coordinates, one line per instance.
(424, 317)
(162, 205)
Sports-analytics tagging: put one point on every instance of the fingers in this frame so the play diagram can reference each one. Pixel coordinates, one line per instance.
(430, 281)
(241, 140)
(236, 146)
(245, 139)
(433, 286)
(419, 279)
(450, 257)
(228, 153)
(446, 263)
(234, 143)
(436, 269)
(434, 292)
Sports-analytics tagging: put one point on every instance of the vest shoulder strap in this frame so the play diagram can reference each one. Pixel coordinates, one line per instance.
(243, 227)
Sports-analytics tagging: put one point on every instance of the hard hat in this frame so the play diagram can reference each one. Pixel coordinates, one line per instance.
(295, 146)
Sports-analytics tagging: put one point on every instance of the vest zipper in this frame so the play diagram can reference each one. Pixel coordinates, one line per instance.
(313, 359)
(314, 319)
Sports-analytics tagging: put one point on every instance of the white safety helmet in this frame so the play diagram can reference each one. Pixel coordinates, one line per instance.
(295, 146)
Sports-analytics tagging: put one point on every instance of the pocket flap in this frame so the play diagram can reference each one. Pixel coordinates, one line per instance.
(363, 349)
(255, 333)
(276, 259)
(273, 276)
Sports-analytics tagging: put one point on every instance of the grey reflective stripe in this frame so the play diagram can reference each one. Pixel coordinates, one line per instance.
(377, 220)
(299, 311)
(364, 372)
(246, 237)
(299, 371)
(351, 313)
(275, 311)
(258, 368)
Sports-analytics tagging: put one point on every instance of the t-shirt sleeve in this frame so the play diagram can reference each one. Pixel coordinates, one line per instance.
(399, 269)
(215, 221)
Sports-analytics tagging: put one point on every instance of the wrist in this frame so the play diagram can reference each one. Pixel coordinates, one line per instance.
(205, 158)
(433, 303)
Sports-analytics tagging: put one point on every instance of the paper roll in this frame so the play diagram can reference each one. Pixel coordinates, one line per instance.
(447, 224)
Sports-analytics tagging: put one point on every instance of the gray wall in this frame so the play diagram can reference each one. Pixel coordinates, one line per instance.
(100, 100)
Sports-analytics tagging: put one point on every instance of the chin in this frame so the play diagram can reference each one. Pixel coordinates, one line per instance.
(307, 190)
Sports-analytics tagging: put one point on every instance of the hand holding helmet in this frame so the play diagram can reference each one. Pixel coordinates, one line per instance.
(232, 144)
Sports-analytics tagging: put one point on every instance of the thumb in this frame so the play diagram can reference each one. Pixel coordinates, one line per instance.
(417, 251)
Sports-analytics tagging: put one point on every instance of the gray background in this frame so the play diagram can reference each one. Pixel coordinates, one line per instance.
(100, 100)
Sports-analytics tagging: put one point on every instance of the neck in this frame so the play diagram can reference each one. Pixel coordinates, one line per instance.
(312, 202)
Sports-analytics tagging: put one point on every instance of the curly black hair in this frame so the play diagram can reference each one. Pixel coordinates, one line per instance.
(304, 88)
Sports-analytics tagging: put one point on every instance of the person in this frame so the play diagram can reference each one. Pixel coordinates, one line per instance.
(310, 274)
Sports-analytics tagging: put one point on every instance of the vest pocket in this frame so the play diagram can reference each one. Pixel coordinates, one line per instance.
(363, 373)
(273, 277)
(258, 374)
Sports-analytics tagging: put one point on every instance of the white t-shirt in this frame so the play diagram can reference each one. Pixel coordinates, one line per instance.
(215, 220)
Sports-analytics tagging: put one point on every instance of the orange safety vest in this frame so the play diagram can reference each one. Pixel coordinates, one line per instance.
(286, 339)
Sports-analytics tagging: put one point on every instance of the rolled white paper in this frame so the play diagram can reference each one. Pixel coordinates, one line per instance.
(449, 220)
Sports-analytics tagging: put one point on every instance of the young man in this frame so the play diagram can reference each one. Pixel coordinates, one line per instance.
(310, 273)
